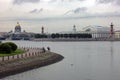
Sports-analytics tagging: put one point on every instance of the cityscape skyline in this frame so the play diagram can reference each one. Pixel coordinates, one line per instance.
(59, 25)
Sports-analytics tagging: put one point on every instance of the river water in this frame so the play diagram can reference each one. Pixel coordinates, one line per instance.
(83, 61)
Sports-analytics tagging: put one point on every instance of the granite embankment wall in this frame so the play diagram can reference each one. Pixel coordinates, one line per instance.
(78, 39)
(10, 67)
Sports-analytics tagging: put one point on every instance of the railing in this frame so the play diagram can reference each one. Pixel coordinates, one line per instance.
(29, 52)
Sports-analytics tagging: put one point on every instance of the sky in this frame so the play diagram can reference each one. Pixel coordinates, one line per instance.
(64, 13)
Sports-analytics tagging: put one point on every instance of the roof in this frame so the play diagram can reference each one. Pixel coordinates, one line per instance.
(95, 28)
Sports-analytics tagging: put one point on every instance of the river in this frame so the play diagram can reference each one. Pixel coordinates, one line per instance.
(98, 60)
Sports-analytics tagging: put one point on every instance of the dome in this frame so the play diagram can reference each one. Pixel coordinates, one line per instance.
(17, 28)
(17, 25)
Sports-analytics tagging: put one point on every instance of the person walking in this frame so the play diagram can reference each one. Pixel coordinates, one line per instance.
(48, 48)
(43, 49)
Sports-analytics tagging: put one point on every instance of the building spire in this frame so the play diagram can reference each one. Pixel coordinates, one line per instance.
(42, 30)
(111, 29)
(74, 28)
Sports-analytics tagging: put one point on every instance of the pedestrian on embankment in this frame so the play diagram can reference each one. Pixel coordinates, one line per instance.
(48, 48)
(43, 49)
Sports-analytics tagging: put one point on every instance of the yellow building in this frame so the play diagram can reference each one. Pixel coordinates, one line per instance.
(117, 34)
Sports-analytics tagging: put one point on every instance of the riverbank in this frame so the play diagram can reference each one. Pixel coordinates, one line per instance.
(76, 39)
(10, 67)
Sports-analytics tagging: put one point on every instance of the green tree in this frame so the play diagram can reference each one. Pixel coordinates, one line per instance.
(37, 35)
(5, 48)
(57, 35)
(12, 45)
(65, 35)
(53, 35)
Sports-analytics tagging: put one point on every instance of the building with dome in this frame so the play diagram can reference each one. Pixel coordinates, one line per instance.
(18, 34)
(17, 28)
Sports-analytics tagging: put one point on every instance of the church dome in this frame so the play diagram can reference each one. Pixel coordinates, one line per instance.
(17, 28)
(17, 25)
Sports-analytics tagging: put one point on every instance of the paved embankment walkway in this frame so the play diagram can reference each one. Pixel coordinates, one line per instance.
(29, 52)
(14, 66)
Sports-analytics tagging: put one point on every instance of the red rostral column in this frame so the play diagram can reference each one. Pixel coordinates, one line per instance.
(111, 29)
(42, 30)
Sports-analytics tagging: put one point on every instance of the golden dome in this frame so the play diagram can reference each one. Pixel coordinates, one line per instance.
(17, 25)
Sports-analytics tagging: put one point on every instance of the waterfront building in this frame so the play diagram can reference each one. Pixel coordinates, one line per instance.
(18, 34)
(97, 31)
(117, 34)
(3, 35)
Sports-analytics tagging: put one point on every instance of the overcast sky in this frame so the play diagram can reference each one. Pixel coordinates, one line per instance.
(58, 9)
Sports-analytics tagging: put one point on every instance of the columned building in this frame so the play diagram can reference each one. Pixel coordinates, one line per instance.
(97, 31)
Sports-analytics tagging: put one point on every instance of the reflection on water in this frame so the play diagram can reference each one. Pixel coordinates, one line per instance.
(83, 61)
(112, 51)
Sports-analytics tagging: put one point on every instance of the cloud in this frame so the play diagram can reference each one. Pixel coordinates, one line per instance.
(104, 1)
(81, 0)
(51, 1)
(18, 2)
(112, 14)
(36, 10)
(72, 17)
(25, 1)
(75, 0)
(117, 2)
(40, 10)
(82, 9)
(65, 0)
(114, 2)
(77, 10)
(72, 0)
(33, 11)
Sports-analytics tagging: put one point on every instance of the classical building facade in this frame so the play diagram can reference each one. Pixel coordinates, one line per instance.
(97, 31)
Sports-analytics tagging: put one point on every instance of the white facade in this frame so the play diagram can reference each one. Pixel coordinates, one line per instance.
(98, 31)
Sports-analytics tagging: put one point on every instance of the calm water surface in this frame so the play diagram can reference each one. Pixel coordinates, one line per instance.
(83, 61)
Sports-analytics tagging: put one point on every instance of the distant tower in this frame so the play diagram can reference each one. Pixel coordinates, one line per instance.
(111, 30)
(74, 28)
(24, 31)
(42, 30)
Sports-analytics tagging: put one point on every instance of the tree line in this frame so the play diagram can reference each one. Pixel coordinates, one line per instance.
(58, 35)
